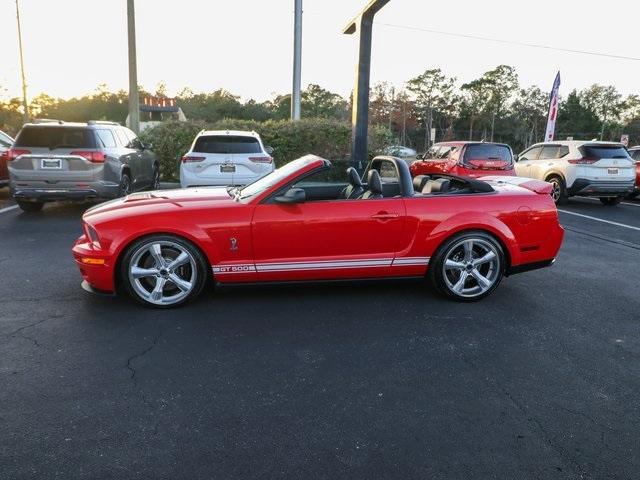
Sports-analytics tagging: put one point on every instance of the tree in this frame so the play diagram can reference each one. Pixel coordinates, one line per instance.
(529, 112)
(475, 101)
(433, 91)
(501, 82)
(605, 101)
(316, 102)
(575, 119)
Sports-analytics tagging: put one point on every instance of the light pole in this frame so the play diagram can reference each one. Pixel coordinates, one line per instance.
(297, 62)
(25, 104)
(360, 114)
(134, 100)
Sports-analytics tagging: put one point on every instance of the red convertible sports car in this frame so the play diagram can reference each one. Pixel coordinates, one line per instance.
(301, 224)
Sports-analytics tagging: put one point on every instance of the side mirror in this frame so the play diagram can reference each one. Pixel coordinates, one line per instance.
(516, 158)
(293, 195)
(419, 157)
(147, 146)
(269, 150)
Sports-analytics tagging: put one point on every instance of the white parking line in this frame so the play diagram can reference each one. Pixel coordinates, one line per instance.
(8, 209)
(631, 227)
(621, 203)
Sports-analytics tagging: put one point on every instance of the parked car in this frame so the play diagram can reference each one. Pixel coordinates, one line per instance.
(400, 151)
(468, 159)
(635, 155)
(5, 144)
(78, 161)
(222, 158)
(588, 169)
(298, 224)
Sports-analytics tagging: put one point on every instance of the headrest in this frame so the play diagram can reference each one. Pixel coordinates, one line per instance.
(374, 183)
(354, 177)
(441, 185)
(419, 182)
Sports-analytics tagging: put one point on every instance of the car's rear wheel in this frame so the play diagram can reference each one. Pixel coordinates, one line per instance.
(163, 271)
(558, 190)
(610, 201)
(30, 207)
(125, 185)
(468, 267)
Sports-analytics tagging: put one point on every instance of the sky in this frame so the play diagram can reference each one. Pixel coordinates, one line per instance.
(246, 46)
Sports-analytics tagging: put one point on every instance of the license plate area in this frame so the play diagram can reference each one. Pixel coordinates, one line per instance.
(51, 164)
(612, 171)
(227, 169)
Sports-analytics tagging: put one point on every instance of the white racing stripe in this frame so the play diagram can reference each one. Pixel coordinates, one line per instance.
(320, 265)
(8, 209)
(631, 227)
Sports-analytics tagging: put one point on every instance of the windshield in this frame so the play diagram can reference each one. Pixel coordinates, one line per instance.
(273, 178)
(488, 151)
(605, 151)
(55, 137)
(227, 144)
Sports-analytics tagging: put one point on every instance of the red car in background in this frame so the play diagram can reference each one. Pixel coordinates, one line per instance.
(466, 159)
(5, 144)
(298, 224)
(635, 154)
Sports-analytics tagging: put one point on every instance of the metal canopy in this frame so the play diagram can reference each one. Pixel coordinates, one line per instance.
(360, 114)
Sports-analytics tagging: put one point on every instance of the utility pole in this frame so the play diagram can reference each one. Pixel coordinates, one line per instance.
(134, 100)
(25, 103)
(363, 23)
(297, 62)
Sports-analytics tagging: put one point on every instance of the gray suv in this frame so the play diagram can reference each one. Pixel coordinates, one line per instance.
(56, 160)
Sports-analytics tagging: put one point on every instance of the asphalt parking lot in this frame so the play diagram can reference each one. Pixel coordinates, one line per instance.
(374, 380)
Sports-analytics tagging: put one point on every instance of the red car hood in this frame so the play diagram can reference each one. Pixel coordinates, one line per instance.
(161, 200)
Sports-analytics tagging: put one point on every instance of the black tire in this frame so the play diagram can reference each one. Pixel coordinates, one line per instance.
(610, 201)
(443, 279)
(125, 185)
(155, 179)
(633, 196)
(141, 289)
(30, 207)
(559, 192)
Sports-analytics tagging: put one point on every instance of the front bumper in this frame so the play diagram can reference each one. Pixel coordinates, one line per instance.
(589, 188)
(95, 265)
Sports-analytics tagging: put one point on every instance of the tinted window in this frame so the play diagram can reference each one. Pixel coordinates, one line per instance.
(227, 144)
(549, 152)
(531, 154)
(56, 137)
(636, 154)
(488, 152)
(122, 137)
(133, 139)
(106, 138)
(601, 151)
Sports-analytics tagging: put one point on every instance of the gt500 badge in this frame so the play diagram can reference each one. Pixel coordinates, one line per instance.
(234, 269)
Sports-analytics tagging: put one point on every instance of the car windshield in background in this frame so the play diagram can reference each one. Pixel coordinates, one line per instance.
(488, 152)
(56, 137)
(227, 144)
(272, 179)
(599, 151)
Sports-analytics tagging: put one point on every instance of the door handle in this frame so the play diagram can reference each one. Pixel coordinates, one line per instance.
(385, 216)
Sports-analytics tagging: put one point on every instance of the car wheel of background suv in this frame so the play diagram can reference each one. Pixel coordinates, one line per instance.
(610, 201)
(30, 206)
(125, 185)
(467, 267)
(559, 191)
(155, 179)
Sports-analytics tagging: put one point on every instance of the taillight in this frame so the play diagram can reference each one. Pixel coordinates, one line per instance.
(261, 159)
(583, 161)
(93, 157)
(192, 159)
(14, 153)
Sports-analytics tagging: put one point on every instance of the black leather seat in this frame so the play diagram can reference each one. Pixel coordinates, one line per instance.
(355, 188)
(419, 182)
(374, 186)
(441, 185)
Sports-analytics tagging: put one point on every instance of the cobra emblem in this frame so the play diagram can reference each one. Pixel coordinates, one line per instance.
(234, 244)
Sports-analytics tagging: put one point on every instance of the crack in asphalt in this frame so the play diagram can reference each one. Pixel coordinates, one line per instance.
(141, 354)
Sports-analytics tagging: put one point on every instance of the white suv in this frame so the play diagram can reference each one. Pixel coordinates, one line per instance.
(589, 169)
(225, 158)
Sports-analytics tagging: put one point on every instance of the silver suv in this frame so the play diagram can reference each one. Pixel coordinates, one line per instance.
(56, 160)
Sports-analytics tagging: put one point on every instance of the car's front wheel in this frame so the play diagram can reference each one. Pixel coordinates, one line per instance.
(610, 201)
(468, 267)
(163, 271)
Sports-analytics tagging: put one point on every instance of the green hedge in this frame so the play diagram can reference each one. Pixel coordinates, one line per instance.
(329, 139)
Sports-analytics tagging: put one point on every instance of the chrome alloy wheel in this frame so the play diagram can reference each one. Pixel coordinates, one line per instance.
(471, 267)
(556, 189)
(162, 272)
